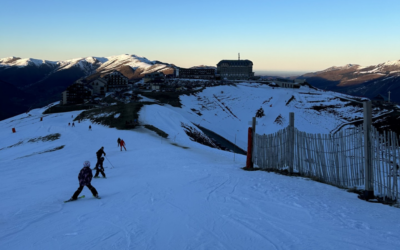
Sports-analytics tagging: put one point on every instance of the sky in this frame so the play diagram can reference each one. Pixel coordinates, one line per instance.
(288, 35)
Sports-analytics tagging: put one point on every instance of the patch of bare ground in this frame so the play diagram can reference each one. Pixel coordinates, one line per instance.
(358, 79)
(43, 152)
(196, 136)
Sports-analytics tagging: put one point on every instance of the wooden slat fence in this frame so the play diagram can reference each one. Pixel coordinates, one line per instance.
(337, 159)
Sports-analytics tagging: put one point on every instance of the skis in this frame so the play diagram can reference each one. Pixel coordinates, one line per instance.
(80, 197)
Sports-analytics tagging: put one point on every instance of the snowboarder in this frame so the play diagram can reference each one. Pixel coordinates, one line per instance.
(119, 141)
(99, 168)
(90, 127)
(85, 177)
(122, 143)
(100, 153)
(73, 124)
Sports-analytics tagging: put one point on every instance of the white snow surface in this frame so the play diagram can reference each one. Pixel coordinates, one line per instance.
(227, 110)
(163, 196)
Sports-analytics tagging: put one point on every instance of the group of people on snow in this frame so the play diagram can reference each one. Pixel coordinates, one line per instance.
(73, 125)
(85, 175)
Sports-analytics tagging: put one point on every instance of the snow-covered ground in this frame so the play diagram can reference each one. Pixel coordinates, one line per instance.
(160, 195)
(227, 110)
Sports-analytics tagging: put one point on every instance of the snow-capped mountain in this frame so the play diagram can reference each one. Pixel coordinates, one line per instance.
(42, 81)
(360, 80)
(90, 65)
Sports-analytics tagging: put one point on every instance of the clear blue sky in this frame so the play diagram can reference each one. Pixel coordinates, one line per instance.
(287, 35)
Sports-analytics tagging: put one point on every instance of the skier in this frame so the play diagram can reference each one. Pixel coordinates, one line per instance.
(119, 141)
(85, 177)
(69, 124)
(99, 168)
(100, 153)
(122, 143)
(73, 124)
(90, 127)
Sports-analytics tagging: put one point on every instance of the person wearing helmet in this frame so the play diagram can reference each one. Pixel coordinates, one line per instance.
(99, 168)
(85, 177)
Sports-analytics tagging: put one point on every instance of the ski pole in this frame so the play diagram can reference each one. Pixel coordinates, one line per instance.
(110, 162)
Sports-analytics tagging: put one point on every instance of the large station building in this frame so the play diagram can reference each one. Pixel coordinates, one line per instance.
(235, 69)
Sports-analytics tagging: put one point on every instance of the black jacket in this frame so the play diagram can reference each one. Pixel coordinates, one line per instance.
(100, 153)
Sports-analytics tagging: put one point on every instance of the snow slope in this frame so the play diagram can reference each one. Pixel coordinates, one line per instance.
(163, 196)
(227, 110)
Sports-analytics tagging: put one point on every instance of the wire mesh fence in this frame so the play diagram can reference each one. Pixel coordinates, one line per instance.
(337, 159)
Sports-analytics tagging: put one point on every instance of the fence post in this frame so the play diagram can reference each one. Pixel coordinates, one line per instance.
(254, 148)
(249, 162)
(253, 127)
(368, 168)
(291, 142)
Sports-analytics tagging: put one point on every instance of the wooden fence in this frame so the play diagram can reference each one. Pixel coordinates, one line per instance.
(337, 159)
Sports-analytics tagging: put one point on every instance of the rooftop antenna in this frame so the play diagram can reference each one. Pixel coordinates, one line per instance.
(239, 56)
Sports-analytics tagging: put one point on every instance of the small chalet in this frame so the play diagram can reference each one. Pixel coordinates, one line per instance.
(286, 83)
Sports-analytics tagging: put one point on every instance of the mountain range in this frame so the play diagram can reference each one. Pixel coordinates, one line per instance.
(29, 83)
(357, 80)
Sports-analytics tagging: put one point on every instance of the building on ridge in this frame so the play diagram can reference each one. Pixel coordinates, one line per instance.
(99, 86)
(286, 83)
(116, 81)
(235, 69)
(195, 73)
(156, 77)
(77, 93)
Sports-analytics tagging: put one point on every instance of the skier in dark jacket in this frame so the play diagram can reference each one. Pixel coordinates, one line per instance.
(85, 177)
(99, 168)
(100, 153)
(119, 141)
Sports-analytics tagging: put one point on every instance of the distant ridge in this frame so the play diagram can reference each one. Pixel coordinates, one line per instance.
(354, 79)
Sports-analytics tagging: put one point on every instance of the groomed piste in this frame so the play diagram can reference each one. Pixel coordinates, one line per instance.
(171, 193)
